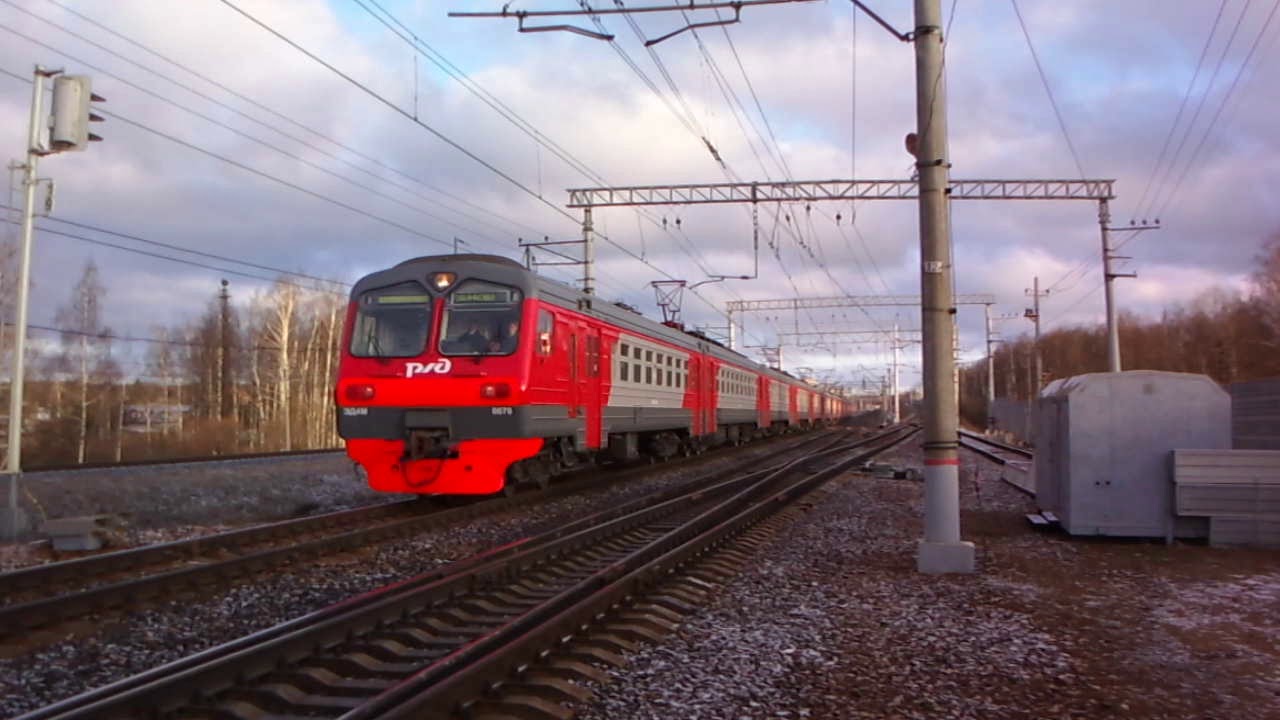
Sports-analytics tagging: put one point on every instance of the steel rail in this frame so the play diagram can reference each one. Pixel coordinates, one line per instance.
(443, 690)
(83, 569)
(188, 459)
(251, 558)
(473, 590)
(1003, 447)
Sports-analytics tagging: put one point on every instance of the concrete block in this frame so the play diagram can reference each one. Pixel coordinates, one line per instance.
(936, 558)
(85, 532)
(13, 522)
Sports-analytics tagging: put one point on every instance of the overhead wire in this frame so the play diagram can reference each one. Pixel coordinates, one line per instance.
(1044, 80)
(198, 253)
(283, 117)
(270, 146)
(180, 261)
(444, 138)
(402, 31)
(1221, 106)
(1182, 106)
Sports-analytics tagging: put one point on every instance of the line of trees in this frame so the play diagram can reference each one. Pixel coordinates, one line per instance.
(1227, 335)
(233, 380)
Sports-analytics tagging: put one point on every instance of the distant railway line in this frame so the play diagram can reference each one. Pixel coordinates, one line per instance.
(283, 454)
(507, 628)
(1020, 460)
(43, 596)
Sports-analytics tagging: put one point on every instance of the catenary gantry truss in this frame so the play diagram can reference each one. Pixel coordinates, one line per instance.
(844, 301)
(820, 190)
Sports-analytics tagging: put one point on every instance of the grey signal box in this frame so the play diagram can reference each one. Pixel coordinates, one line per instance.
(72, 113)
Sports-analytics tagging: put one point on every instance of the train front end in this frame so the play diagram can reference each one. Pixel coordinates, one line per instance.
(432, 383)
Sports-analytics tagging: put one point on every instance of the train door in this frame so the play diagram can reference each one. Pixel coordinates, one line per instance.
(592, 389)
(708, 405)
(574, 392)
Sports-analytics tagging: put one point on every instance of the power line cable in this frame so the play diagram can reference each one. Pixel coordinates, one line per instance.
(444, 138)
(421, 47)
(170, 258)
(278, 115)
(1221, 106)
(1044, 80)
(214, 121)
(1162, 180)
(199, 253)
(1182, 106)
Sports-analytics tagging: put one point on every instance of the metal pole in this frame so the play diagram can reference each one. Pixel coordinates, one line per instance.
(733, 335)
(1039, 376)
(941, 551)
(897, 411)
(588, 254)
(991, 372)
(1113, 324)
(225, 381)
(13, 458)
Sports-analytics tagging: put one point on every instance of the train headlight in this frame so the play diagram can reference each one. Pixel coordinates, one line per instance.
(493, 391)
(443, 280)
(360, 393)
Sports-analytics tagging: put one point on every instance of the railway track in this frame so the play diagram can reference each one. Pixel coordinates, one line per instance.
(504, 633)
(44, 596)
(1020, 460)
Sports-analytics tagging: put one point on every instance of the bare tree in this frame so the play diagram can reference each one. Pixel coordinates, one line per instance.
(84, 342)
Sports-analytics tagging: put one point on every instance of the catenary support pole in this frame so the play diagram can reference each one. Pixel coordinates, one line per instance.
(941, 550)
(226, 383)
(897, 348)
(1113, 324)
(588, 253)
(991, 370)
(13, 457)
(1039, 376)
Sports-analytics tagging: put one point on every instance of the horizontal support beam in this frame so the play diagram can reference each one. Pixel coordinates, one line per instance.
(838, 336)
(845, 301)
(818, 190)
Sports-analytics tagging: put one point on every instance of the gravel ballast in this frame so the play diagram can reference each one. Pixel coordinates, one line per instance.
(112, 648)
(834, 622)
(156, 503)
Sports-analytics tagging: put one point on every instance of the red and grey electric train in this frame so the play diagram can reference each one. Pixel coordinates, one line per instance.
(469, 374)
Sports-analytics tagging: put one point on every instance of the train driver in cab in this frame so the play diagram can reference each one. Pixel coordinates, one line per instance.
(506, 342)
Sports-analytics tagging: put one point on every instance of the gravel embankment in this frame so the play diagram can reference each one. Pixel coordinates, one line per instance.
(834, 622)
(156, 503)
(121, 646)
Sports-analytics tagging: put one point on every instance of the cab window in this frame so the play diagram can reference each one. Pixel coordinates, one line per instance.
(392, 322)
(480, 318)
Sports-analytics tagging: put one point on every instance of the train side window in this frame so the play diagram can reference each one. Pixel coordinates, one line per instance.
(626, 350)
(659, 358)
(635, 371)
(648, 356)
(648, 375)
(546, 327)
(679, 381)
(622, 370)
(635, 353)
(669, 379)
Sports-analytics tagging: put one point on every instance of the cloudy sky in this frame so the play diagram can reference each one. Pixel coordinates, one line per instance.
(224, 139)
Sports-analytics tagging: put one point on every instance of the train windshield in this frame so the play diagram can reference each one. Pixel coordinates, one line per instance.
(481, 318)
(392, 322)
